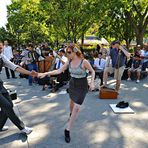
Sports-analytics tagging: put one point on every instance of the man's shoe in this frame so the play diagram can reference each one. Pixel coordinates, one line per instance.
(129, 79)
(137, 81)
(26, 130)
(120, 103)
(125, 105)
(5, 128)
(67, 136)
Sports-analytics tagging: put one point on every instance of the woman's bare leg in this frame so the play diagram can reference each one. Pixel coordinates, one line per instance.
(74, 115)
(71, 105)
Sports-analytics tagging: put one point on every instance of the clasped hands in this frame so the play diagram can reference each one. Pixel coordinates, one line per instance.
(36, 74)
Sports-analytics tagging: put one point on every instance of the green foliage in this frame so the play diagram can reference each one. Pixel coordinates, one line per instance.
(5, 35)
(60, 21)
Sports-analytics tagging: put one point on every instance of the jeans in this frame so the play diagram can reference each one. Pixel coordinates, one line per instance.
(31, 67)
(144, 66)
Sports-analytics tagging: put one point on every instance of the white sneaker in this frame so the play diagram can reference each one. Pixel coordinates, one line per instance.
(137, 81)
(27, 130)
(5, 128)
(128, 79)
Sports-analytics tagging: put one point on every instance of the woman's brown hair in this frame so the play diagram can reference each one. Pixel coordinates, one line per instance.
(75, 48)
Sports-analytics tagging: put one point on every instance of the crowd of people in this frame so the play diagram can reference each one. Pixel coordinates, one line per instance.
(70, 64)
(42, 59)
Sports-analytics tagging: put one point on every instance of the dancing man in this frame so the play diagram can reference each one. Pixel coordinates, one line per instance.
(6, 104)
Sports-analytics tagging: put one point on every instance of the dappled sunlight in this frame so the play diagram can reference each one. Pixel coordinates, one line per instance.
(44, 108)
(138, 104)
(40, 131)
(142, 116)
(29, 100)
(112, 82)
(129, 130)
(134, 89)
(100, 136)
(145, 85)
(51, 95)
(20, 95)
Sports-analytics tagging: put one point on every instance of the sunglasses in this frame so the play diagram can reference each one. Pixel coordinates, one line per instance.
(69, 52)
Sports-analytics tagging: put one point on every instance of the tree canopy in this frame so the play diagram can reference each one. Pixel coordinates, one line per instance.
(63, 20)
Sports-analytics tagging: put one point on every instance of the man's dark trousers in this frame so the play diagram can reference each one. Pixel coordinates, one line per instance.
(7, 111)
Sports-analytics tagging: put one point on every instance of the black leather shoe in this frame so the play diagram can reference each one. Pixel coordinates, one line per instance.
(125, 105)
(5, 128)
(120, 103)
(67, 136)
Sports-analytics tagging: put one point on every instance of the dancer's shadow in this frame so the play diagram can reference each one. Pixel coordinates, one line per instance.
(13, 137)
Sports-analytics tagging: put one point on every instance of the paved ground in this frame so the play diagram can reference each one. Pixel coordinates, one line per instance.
(96, 127)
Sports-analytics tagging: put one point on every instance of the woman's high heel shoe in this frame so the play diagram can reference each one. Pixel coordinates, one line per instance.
(67, 136)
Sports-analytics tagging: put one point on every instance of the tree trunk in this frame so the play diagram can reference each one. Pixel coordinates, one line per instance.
(127, 43)
(75, 40)
(82, 39)
(139, 38)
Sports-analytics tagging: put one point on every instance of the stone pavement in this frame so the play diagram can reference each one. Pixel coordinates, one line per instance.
(96, 127)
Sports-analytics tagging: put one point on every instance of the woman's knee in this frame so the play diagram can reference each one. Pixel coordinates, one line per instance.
(77, 108)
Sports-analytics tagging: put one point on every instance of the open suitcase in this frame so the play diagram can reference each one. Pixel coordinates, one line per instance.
(108, 93)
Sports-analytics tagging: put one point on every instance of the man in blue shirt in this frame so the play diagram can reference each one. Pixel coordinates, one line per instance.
(117, 55)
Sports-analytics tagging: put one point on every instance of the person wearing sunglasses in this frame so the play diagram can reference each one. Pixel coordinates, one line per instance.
(78, 85)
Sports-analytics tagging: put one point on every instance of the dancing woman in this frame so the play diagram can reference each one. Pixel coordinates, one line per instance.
(78, 85)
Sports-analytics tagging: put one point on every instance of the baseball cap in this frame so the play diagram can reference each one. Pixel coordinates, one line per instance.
(115, 42)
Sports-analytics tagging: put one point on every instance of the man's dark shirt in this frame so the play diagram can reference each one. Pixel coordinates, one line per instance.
(115, 55)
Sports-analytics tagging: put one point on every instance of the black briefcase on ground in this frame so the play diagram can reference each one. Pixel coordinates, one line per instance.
(13, 94)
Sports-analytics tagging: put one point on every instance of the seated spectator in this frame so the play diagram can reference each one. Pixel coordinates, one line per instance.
(46, 49)
(145, 59)
(47, 83)
(30, 61)
(104, 51)
(17, 57)
(60, 61)
(135, 67)
(99, 66)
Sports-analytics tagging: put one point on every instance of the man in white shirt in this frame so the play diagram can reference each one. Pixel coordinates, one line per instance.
(63, 59)
(99, 66)
(60, 61)
(6, 104)
(145, 59)
(9, 54)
